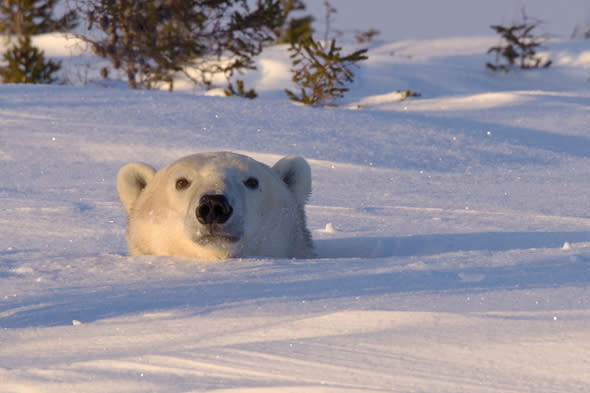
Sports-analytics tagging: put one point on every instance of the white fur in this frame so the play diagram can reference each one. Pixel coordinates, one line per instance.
(267, 221)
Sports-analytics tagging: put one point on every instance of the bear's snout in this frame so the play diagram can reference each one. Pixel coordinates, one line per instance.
(213, 209)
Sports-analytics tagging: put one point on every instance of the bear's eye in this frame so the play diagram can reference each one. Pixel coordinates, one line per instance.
(251, 183)
(182, 184)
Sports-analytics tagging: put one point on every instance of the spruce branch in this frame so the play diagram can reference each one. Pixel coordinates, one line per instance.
(320, 71)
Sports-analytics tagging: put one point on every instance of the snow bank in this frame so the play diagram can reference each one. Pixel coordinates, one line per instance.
(440, 223)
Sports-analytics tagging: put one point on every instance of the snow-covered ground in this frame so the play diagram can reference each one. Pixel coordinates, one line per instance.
(453, 233)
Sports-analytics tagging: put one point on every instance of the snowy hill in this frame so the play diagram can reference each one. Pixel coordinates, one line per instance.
(453, 233)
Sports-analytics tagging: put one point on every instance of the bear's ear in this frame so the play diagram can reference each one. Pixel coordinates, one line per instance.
(296, 174)
(131, 181)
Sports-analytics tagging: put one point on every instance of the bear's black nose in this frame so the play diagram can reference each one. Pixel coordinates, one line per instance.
(213, 209)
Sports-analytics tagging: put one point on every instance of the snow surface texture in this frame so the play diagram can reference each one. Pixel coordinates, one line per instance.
(453, 233)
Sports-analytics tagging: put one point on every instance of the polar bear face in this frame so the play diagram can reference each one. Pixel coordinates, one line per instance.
(217, 205)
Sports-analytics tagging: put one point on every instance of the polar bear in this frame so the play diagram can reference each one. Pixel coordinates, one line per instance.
(211, 206)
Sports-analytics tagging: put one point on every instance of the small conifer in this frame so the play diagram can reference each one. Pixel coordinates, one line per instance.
(320, 71)
(27, 64)
(518, 48)
(19, 20)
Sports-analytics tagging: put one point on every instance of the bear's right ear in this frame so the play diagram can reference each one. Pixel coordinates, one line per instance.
(131, 181)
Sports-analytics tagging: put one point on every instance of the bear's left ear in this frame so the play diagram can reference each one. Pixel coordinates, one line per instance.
(131, 180)
(296, 174)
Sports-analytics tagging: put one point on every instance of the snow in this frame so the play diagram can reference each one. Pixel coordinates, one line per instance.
(452, 232)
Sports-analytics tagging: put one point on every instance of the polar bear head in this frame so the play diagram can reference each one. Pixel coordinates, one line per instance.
(217, 205)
